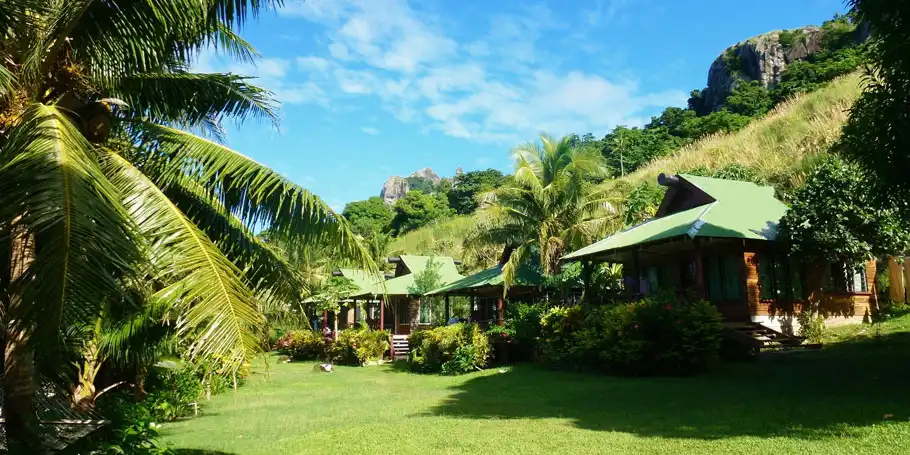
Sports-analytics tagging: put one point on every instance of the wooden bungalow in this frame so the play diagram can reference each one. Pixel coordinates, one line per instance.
(718, 239)
(485, 289)
(389, 304)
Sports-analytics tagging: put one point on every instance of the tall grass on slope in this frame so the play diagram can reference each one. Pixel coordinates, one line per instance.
(445, 238)
(778, 146)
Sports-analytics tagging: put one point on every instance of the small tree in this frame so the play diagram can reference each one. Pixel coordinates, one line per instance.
(836, 217)
(335, 290)
(425, 281)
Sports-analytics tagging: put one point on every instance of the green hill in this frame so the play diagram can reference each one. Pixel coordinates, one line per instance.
(777, 146)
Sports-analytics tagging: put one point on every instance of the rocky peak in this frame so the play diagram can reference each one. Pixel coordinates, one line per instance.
(394, 189)
(761, 58)
(427, 173)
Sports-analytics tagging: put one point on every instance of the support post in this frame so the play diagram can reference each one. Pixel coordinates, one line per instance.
(500, 317)
(381, 314)
(471, 312)
(448, 312)
(325, 320)
(587, 271)
(700, 271)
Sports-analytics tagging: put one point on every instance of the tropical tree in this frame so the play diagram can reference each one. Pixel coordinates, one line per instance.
(335, 290)
(103, 182)
(550, 208)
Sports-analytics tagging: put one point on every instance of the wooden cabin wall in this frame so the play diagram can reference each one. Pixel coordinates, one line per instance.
(835, 307)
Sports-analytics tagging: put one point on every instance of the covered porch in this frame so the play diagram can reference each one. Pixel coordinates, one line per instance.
(487, 298)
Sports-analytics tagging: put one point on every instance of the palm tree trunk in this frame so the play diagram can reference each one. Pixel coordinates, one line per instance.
(21, 419)
(84, 393)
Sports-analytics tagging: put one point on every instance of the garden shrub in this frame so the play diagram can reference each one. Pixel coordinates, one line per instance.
(451, 349)
(557, 332)
(356, 346)
(525, 320)
(301, 345)
(661, 335)
(656, 336)
(811, 326)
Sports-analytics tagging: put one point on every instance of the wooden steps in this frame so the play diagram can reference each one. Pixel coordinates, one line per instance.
(400, 347)
(762, 338)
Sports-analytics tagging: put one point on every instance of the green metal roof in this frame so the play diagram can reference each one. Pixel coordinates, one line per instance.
(741, 210)
(492, 277)
(401, 285)
(365, 282)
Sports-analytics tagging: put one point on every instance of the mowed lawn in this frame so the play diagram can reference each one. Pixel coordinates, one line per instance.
(851, 397)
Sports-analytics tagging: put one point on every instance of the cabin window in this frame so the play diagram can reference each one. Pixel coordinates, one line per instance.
(373, 311)
(779, 278)
(358, 316)
(723, 277)
(860, 283)
(847, 279)
(652, 280)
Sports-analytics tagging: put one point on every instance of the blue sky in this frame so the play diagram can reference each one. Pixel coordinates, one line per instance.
(373, 88)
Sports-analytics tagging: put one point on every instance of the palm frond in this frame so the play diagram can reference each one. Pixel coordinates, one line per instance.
(265, 268)
(193, 98)
(51, 186)
(219, 315)
(233, 45)
(256, 194)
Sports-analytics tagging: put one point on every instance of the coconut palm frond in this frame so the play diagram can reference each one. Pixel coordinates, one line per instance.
(254, 193)
(218, 310)
(51, 186)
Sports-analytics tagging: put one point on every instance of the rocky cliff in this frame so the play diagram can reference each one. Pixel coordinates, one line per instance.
(397, 187)
(761, 58)
(428, 174)
(394, 189)
(764, 58)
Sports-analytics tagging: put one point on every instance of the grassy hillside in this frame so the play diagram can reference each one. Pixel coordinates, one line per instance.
(778, 146)
(445, 238)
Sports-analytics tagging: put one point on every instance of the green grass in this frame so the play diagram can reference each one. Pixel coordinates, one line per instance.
(446, 238)
(848, 398)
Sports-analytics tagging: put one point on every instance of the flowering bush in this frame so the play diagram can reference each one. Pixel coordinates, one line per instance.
(557, 333)
(451, 349)
(301, 345)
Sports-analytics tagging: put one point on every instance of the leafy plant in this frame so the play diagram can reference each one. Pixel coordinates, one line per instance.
(463, 347)
(837, 217)
(789, 37)
(300, 345)
(356, 346)
(660, 335)
(811, 324)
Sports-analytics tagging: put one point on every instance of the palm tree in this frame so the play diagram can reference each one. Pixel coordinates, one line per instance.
(550, 208)
(103, 182)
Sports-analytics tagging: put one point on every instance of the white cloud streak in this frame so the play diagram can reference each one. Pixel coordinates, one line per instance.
(501, 86)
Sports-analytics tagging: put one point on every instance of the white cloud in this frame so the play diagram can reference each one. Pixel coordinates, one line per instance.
(313, 63)
(272, 67)
(339, 51)
(499, 86)
(369, 130)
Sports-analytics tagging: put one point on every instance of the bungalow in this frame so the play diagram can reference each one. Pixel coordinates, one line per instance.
(718, 239)
(389, 303)
(485, 289)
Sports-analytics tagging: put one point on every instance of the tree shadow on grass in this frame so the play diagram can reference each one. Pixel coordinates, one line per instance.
(804, 395)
